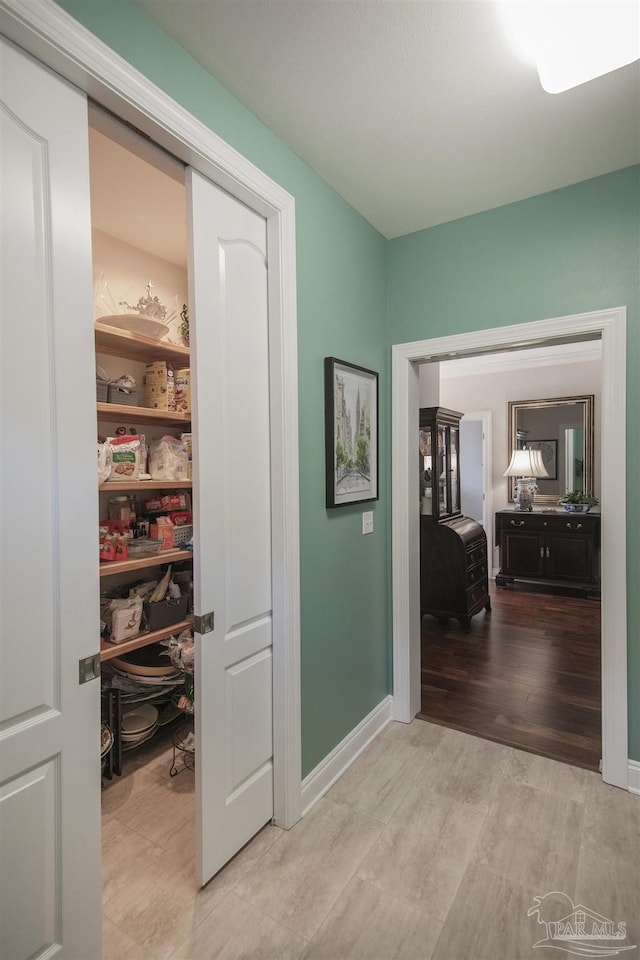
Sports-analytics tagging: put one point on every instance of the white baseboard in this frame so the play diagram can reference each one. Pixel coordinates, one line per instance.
(323, 777)
(634, 776)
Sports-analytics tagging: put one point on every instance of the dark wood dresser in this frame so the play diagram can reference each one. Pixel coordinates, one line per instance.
(550, 548)
(454, 576)
(453, 549)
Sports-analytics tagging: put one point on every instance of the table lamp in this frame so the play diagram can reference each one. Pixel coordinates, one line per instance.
(526, 466)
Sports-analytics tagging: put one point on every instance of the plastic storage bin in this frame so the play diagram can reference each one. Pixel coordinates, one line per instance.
(165, 612)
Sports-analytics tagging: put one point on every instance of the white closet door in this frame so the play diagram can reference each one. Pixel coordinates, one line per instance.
(232, 501)
(50, 891)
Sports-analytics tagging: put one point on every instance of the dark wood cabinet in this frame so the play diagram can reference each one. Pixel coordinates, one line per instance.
(555, 549)
(454, 574)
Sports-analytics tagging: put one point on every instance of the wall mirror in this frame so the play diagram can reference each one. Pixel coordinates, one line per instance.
(562, 429)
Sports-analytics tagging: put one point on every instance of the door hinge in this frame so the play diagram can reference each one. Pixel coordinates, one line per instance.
(89, 668)
(203, 623)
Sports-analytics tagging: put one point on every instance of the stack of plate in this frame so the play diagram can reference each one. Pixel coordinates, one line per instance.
(138, 724)
(147, 665)
(106, 740)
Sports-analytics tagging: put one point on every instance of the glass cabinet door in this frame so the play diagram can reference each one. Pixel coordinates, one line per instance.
(443, 467)
(439, 446)
(454, 471)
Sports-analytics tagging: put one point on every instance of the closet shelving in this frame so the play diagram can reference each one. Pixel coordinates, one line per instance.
(130, 346)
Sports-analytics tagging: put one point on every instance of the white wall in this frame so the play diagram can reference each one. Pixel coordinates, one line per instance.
(493, 391)
(127, 269)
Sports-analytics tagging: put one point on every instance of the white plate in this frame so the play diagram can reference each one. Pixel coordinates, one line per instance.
(135, 323)
(140, 718)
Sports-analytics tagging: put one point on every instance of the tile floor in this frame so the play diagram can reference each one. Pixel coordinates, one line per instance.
(432, 845)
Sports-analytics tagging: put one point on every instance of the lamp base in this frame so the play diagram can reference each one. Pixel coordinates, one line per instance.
(525, 492)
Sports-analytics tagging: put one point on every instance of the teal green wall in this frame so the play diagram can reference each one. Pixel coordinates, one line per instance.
(341, 263)
(565, 252)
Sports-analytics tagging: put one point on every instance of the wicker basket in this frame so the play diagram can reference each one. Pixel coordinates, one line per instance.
(102, 387)
(123, 395)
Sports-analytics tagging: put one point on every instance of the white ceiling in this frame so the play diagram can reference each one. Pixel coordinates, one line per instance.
(416, 111)
(137, 191)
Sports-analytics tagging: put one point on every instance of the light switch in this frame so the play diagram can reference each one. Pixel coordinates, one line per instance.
(367, 522)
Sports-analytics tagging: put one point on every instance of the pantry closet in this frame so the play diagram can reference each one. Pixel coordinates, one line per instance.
(241, 396)
(139, 193)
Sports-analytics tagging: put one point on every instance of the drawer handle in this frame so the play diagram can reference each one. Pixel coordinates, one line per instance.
(547, 553)
(542, 551)
(519, 523)
(570, 526)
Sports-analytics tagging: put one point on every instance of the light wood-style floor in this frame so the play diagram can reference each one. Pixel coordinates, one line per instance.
(432, 845)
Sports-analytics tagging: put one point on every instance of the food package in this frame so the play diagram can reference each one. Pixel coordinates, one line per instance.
(159, 384)
(153, 505)
(125, 458)
(183, 390)
(125, 617)
(163, 530)
(176, 501)
(168, 459)
(180, 518)
(112, 545)
(104, 462)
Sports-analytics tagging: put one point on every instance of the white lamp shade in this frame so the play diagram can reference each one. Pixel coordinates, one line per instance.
(526, 463)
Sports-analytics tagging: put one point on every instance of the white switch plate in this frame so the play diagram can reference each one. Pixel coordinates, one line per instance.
(367, 522)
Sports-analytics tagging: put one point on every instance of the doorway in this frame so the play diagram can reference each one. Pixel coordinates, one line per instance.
(611, 327)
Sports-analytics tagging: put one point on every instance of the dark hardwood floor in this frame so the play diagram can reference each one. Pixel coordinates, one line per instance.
(527, 674)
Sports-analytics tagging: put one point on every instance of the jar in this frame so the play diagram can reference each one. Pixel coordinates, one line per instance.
(120, 509)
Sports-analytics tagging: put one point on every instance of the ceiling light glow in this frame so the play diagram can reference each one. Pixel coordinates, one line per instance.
(573, 41)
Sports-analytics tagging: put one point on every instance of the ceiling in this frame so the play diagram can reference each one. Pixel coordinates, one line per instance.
(416, 111)
(137, 191)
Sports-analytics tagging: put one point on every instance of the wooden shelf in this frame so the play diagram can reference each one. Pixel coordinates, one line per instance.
(110, 650)
(110, 567)
(140, 485)
(121, 343)
(135, 415)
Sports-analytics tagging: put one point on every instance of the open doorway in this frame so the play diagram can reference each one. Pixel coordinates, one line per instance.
(528, 674)
(610, 326)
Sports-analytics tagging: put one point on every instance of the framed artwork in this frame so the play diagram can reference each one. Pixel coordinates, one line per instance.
(549, 450)
(351, 433)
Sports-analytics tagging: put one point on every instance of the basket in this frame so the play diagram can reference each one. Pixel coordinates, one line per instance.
(165, 612)
(182, 534)
(123, 395)
(102, 387)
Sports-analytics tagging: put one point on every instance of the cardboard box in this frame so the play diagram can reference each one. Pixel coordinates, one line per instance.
(183, 390)
(163, 530)
(176, 501)
(159, 386)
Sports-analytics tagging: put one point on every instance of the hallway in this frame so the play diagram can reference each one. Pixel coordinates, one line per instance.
(433, 844)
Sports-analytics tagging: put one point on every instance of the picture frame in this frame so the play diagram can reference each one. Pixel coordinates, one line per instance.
(351, 433)
(549, 450)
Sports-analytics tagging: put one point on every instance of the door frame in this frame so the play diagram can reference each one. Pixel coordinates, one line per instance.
(48, 33)
(610, 327)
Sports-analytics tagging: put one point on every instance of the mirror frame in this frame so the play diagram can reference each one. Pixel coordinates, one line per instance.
(587, 403)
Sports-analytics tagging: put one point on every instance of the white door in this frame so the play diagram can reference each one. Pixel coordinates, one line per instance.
(50, 891)
(471, 469)
(232, 506)
(476, 467)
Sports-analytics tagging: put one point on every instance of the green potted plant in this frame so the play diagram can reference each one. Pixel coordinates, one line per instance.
(577, 501)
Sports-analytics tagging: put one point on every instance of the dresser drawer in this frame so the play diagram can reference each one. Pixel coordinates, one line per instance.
(477, 595)
(476, 554)
(524, 522)
(477, 573)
